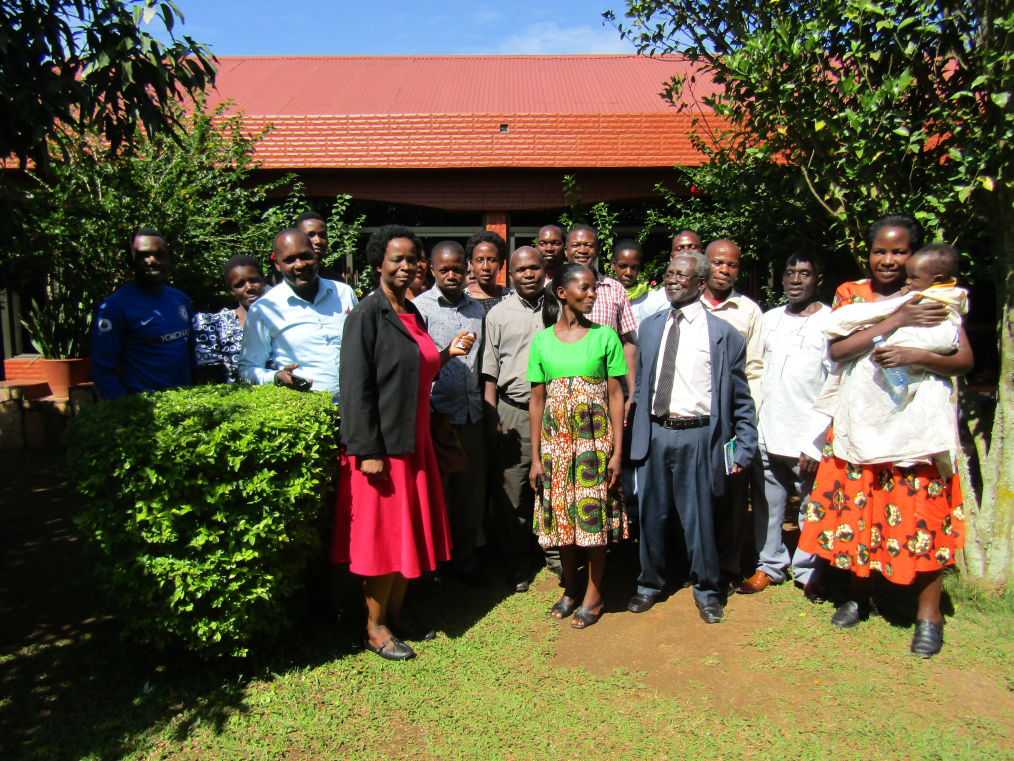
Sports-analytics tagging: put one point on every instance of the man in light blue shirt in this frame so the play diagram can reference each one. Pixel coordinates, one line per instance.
(293, 333)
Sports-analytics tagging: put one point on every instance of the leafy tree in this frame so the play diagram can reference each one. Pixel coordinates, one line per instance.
(761, 206)
(71, 67)
(878, 106)
(344, 235)
(598, 215)
(194, 187)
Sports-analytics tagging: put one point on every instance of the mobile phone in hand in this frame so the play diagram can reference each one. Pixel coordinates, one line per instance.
(461, 345)
(300, 384)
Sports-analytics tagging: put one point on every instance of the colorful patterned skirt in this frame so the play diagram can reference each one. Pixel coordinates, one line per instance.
(575, 507)
(898, 521)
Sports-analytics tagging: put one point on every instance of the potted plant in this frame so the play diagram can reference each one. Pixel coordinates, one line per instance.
(59, 330)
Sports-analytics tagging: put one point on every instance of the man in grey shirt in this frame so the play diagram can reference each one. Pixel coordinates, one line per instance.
(510, 327)
(456, 400)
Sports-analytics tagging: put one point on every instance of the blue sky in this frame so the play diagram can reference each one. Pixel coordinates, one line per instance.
(399, 27)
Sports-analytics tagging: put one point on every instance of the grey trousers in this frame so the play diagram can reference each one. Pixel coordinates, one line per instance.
(782, 478)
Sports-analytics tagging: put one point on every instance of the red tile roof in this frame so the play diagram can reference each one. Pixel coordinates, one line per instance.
(350, 112)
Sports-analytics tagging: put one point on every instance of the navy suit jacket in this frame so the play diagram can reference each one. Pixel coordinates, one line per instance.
(732, 410)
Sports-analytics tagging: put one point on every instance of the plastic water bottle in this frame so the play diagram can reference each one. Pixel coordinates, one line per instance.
(896, 377)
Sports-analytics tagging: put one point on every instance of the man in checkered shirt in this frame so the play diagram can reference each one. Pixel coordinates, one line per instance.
(612, 307)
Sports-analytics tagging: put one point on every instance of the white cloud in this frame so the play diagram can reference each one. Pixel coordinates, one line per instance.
(549, 38)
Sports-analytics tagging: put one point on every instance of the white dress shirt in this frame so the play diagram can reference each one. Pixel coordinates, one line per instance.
(691, 385)
(283, 329)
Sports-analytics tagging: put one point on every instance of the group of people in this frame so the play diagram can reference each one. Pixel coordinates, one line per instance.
(572, 411)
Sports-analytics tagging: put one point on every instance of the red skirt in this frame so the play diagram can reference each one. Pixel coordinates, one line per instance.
(398, 525)
(898, 521)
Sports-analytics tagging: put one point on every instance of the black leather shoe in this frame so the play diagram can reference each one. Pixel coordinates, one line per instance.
(393, 649)
(928, 639)
(711, 614)
(585, 617)
(563, 607)
(519, 580)
(640, 603)
(850, 614)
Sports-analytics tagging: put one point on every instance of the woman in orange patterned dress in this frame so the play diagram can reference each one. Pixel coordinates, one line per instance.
(904, 522)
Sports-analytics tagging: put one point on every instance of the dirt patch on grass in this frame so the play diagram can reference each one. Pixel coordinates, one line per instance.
(676, 651)
(777, 649)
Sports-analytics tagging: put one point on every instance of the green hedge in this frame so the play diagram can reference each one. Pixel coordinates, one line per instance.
(206, 505)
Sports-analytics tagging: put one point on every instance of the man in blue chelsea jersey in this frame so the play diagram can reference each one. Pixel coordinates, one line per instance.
(141, 337)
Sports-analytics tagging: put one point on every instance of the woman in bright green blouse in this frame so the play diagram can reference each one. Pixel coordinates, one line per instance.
(576, 416)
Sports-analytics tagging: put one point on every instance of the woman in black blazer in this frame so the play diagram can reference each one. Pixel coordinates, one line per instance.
(391, 523)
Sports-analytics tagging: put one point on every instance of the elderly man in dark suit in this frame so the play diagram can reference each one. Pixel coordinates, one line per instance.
(690, 400)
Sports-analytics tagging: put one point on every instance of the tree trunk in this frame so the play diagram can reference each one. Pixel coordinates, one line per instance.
(990, 524)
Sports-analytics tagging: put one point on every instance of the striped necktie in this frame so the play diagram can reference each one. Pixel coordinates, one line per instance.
(663, 390)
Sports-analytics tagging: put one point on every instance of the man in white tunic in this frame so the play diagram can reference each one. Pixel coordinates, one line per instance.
(791, 431)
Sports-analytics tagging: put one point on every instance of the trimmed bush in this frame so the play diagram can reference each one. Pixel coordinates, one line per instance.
(206, 504)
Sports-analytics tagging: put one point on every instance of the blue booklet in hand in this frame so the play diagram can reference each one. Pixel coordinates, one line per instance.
(730, 455)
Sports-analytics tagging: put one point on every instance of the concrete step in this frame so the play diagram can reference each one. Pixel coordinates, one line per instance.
(31, 418)
(23, 388)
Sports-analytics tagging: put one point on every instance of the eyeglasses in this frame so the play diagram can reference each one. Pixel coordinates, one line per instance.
(675, 277)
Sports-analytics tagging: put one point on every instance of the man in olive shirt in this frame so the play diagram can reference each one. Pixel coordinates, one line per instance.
(510, 327)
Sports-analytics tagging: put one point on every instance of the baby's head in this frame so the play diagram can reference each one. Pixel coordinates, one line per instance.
(931, 265)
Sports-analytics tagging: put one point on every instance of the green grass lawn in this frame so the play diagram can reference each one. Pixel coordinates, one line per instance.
(502, 681)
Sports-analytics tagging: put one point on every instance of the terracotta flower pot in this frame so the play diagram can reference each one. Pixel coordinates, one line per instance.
(61, 374)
